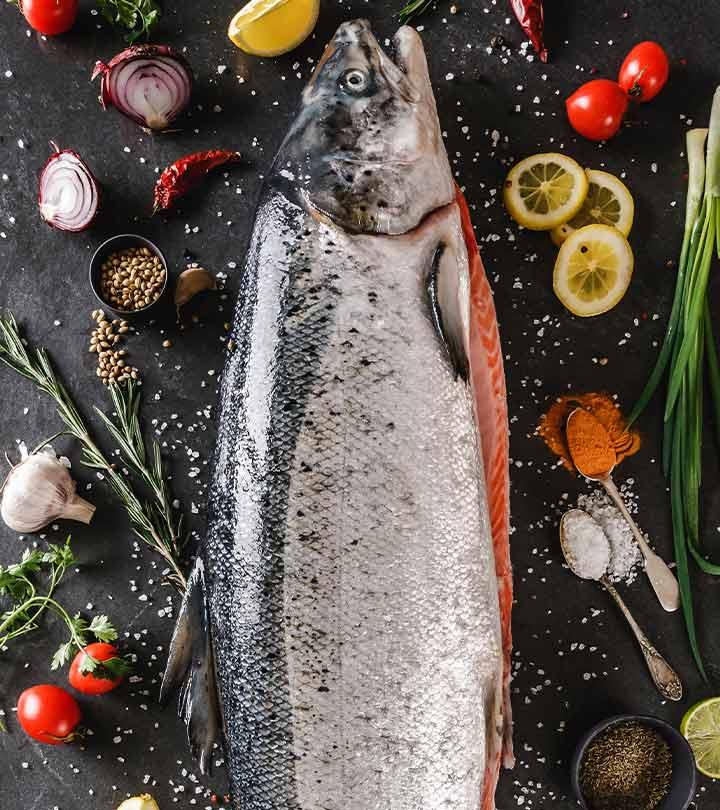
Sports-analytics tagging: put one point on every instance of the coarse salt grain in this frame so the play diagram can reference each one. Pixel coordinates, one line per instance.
(625, 557)
(586, 545)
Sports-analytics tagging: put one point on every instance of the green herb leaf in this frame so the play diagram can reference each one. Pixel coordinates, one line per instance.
(138, 16)
(3, 727)
(102, 629)
(63, 654)
(59, 555)
(80, 628)
(111, 669)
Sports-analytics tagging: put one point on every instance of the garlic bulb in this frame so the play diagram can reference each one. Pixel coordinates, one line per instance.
(40, 490)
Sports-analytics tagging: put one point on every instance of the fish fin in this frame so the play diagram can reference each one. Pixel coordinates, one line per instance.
(444, 298)
(191, 663)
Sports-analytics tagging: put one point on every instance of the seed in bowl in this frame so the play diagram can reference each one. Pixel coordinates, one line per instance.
(132, 279)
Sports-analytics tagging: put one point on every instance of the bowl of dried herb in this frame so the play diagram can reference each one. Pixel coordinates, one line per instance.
(633, 762)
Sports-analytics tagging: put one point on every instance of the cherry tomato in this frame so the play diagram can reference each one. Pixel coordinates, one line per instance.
(48, 713)
(87, 682)
(50, 16)
(645, 71)
(596, 109)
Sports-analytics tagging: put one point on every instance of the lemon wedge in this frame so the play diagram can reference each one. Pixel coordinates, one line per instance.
(273, 27)
(608, 202)
(701, 728)
(543, 191)
(593, 270)
(144, 802)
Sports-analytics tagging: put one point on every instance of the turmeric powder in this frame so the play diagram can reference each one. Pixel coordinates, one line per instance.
(552, 425)
(590, 445)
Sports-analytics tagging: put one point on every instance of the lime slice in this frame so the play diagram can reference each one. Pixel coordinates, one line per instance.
(273, 27)
(701, 728)
(593, 270)
(608, 202)
(543, 191)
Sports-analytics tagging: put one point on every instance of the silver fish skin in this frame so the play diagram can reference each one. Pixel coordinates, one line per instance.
(347, 569)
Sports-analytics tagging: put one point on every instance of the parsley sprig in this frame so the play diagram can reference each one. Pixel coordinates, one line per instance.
(18, 584)
(138, 16)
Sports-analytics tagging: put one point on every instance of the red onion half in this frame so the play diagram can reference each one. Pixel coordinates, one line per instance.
(69, 195)
(150, 84)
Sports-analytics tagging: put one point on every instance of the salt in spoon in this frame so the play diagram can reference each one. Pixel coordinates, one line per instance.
(589, 560)
(661, 577)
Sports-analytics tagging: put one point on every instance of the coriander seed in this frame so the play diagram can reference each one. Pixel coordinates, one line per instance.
(131, 280)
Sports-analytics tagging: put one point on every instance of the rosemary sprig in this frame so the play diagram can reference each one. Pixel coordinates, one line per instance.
(157, 519)
(152, 523)
(27, 604)
(414, 9)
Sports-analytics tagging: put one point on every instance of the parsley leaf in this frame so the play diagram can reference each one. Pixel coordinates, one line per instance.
(62, 654)
(138, 16)
(110, 669)
(102, 629)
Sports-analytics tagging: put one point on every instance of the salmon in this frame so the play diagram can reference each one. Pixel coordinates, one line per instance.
(489, 386)
(346, 624)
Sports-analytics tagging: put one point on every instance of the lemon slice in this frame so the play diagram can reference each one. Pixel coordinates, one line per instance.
(543, 191)
(273, 27)
(701, 728)
(593, 270)
(608, 202)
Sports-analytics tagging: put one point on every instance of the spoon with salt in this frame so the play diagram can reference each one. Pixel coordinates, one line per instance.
(581, 424)
(586, 550)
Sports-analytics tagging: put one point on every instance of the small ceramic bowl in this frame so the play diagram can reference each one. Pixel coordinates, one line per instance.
(123, 241)
(682, 786)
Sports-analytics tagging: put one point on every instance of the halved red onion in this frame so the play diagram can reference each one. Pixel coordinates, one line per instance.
(69, 195)
(150, 84)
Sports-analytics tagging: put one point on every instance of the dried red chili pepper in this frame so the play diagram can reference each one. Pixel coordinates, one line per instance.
(186, 173)
(531, 18)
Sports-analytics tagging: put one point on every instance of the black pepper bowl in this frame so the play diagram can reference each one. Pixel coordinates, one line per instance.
(123, 241)
(682, 785)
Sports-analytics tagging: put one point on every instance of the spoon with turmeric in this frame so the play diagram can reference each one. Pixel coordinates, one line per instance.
(595, 457)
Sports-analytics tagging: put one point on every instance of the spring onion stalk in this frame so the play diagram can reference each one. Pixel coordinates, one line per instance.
(689, 357)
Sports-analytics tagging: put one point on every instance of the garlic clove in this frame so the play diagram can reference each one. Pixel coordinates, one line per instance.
(191, 282)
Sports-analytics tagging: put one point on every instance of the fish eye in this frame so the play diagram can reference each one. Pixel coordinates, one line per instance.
(355, 80)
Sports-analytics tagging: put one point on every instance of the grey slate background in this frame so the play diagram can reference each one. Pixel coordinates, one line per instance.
(575, 662)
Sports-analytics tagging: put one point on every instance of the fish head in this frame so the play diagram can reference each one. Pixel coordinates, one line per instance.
(366, 150)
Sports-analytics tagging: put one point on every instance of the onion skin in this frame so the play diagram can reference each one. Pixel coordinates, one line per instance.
(130, 54)
(57, 153)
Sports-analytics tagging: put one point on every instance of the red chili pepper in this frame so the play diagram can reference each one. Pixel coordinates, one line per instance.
(186, 173)
(531, 18)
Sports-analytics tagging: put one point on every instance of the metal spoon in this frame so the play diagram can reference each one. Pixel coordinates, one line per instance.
(661, 577)
(663, 675)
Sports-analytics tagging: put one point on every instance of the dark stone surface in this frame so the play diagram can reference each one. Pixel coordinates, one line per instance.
(560, 688)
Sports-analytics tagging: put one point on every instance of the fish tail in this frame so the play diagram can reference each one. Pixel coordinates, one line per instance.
(191, 666)
(488, 379)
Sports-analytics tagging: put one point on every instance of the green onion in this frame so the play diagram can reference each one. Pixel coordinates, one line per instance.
(690, 358)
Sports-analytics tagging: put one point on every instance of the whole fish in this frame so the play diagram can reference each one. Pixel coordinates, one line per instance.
(352, 596)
